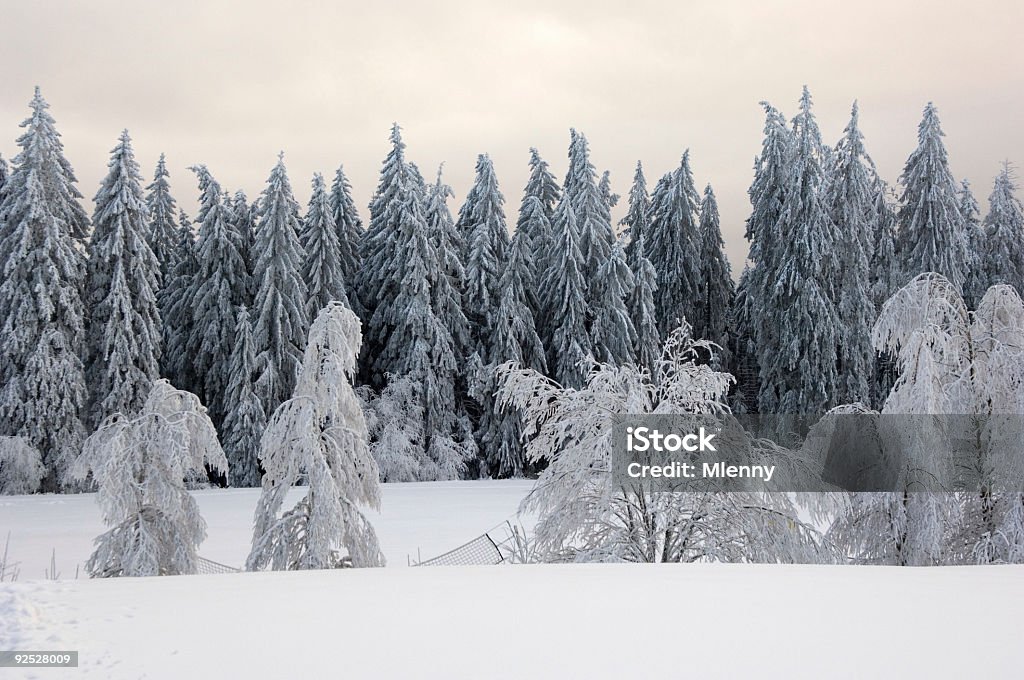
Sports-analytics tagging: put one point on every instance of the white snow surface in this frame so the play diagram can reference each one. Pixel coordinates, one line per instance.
(536, 621)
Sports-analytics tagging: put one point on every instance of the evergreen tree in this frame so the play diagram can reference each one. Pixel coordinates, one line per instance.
(1004, 234)
(447, 290)
(595, 235)
(42, 386)
(219, 287)
(163, 226)
(321, 269)
(932, 236)
(350, 230)
(515, 339)
(243, 222)
(569, 346)
(885, 269)
(638, 214)
(976, 282)
(281, 319)
(487, 251)
(245, 420)
(715, 287)
(374, 281)
(535, 212)
(671, 246)
(613, 333)
(175, 304)
(647, 348)
(852, 209)
(798, 359)
(123, 329)
(413, 323)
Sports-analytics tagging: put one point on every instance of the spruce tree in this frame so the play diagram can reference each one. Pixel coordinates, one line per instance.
(932, 237)
(163, 225)
(885, 267)
(487, 252)
(219, 286)
(281, 321)
(122, 281)
(976, 282)
(569, 346)
(243, 222)
(376, 250)
(350, 230)
(851, 205)
(175, 304)
(595, 235)
(715, 289)
(321, 267)
(638, 213)
(613, 333)
(535, 212)
(798, 359)
(42, 385)
(1004, 234)
(672, 237)
(245, 419)
(514, 339)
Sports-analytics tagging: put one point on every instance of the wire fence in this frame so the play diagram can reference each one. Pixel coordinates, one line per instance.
(504, 543)
(205, 566)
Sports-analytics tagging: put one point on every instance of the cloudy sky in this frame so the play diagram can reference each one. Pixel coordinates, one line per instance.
(230, 84)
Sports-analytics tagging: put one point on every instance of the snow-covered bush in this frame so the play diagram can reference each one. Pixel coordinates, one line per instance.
(21, 467)
(140, 464)
(585, 516)
(319, 435)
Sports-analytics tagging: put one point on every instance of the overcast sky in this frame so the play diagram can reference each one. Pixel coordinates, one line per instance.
(230, 84)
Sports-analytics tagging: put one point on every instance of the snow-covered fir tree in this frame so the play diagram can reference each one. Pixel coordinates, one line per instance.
(671, 239)
(852, 209)
(535, 214)
(375, 280)
(613, 335)
(219, 286)
(140, 463)
(798, 356)
(640, 304)
(932, 236)
(175, 304)
(583, 516)
(122, 281)
(487, 245)
(350, 230)
(515, 339)
(415, 318)
(163, 223)
(594, 233)
(319, 435)
(976, 280)
(280, 319)
(42, 384)
(1004, 233)
(245, 419)
(565, 304)
(321, 267)
(638, 213)
(885, 268)
(715, 288)
(243, 220)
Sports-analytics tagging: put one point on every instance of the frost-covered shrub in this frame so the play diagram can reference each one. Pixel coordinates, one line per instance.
(21, 467)
(140, 464)
(319, 435)
(584, 516)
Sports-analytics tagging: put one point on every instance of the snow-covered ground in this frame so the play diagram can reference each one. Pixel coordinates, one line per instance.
(576, 621)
